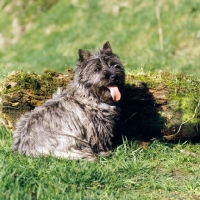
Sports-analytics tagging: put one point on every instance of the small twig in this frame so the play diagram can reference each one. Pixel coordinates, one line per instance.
(195, 111)
(160, 32)
(179, 129)
(129, 118)
(9, 107)
(189, 153)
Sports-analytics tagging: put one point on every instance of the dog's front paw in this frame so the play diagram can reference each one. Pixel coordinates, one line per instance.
(105, 153)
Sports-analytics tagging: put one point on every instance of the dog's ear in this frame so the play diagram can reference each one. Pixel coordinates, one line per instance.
(107, 48)
(83, 55)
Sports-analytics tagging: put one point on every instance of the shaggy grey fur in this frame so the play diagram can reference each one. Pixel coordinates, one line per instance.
(78, 122)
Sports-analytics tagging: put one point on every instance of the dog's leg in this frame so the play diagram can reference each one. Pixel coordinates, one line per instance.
(104, 153)
(75, 154)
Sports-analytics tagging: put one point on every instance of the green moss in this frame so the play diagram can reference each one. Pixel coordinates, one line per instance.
(140, 77)
(46, 83)
(178, 84)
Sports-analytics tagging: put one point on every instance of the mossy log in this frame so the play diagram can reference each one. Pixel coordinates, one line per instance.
(159, 104)
(23, 91)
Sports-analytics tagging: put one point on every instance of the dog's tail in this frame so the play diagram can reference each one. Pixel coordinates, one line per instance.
(58, 93)
(56, 97)
(20, 134)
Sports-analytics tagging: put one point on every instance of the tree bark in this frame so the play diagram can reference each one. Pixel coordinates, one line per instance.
(154, 105)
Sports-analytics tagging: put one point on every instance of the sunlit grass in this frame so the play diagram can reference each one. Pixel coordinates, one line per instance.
(132, 172)
(140, 34)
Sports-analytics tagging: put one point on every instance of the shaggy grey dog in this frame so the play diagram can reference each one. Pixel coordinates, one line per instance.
(79, 121)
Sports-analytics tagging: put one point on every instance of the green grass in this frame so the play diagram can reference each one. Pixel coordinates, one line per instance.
(159, 172)
(38, 35)
(49, 33)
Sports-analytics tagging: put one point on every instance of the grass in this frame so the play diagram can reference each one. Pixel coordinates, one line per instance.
(153, 35)
(145, 34)
(159, 172)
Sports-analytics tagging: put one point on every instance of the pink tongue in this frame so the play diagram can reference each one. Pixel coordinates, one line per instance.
(114, 91)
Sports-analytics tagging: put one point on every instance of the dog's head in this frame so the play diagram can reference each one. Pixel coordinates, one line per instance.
(102, 73)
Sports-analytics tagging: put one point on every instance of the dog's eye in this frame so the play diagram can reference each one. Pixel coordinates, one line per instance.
(117, 66)
(97, 70)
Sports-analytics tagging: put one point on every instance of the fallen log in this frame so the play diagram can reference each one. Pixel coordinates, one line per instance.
(159, 104)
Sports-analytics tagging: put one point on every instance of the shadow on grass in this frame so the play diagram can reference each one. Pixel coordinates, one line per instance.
(141, 120)
(140, 117)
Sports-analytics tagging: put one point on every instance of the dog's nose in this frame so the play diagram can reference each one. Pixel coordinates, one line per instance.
(113, 77)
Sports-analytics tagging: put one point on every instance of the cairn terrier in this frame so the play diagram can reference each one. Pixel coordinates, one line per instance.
(79, 121)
